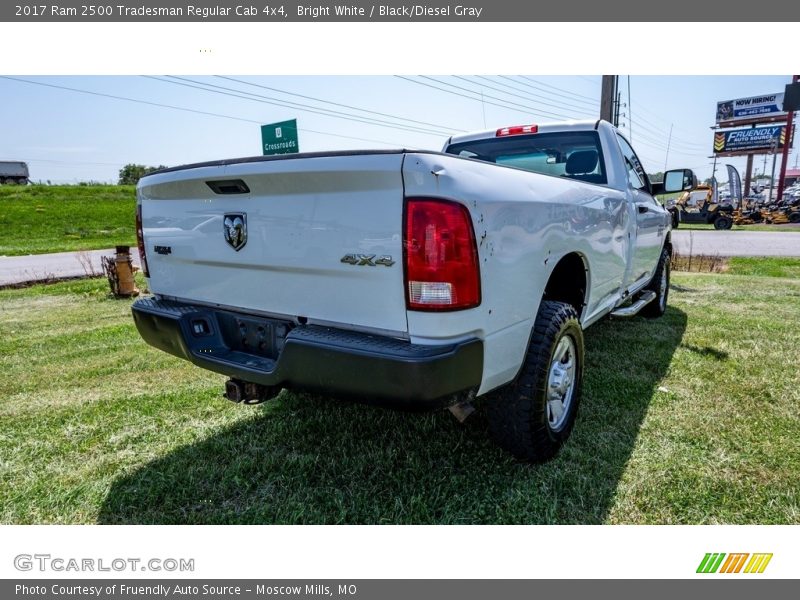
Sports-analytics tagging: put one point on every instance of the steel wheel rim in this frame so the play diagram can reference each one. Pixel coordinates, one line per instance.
(561, 383)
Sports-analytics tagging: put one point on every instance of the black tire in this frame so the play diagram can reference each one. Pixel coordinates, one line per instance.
(660, 285)
(794, 217)
(723, 222)
(521, 420)
(675, 220)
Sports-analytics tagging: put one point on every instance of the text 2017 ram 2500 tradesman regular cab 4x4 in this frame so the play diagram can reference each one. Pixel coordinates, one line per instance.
(411, 278)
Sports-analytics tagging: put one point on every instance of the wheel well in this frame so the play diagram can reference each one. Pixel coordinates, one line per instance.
(567, 282)
(668, 244)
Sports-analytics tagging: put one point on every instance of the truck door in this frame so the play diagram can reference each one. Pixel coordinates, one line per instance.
(647, 219)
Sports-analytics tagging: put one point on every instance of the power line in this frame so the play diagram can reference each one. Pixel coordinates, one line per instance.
(208, 87)
(189, 110)
(508, 102)
(528, 95)
(338, 104)
(657, 131)
(112, 96)
(506, 105)
(566, 93)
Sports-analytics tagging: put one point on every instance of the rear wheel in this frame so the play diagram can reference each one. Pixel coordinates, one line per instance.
(794, 217)
(723, 222)
(660, 285)
(675, 220)
(533, 416)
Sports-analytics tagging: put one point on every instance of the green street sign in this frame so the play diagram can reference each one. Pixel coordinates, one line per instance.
(280, 138)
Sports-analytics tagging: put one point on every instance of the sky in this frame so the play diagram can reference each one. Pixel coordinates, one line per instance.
(71, 129)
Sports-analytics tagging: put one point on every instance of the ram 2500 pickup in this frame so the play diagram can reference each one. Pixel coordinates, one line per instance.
(410, 278)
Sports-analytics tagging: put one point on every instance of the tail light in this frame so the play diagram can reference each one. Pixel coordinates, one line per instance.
(441, 257)
(140, 240)
(516, 130)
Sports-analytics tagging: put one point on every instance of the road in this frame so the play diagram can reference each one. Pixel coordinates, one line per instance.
(37, 267)
(736, 243)
(62, 265)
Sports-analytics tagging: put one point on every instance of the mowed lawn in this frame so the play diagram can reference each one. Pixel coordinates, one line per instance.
(37, 219)
(693, 418)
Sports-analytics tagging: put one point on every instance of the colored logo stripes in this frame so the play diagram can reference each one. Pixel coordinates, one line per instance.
(734, 563)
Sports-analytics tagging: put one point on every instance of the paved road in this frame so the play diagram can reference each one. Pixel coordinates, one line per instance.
(736, 243)
(62, 265)
(19, 269)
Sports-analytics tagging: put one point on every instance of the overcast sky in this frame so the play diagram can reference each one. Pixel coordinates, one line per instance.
(69, 135)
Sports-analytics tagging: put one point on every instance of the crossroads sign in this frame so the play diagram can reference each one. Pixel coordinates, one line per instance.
(766, 138)
(280, 138)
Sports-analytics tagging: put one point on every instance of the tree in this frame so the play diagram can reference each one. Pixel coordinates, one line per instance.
(130, 174)
(656, 177)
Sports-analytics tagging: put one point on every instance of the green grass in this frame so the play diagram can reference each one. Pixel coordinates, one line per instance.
(764, 267)
(692, 418)
(39, 219)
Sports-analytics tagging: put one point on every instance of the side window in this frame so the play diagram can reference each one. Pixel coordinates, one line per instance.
(636, 174)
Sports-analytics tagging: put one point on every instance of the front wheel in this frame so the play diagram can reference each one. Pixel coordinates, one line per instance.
(533, 416)
(723, 222)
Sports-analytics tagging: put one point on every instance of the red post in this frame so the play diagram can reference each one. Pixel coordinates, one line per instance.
(787, 143)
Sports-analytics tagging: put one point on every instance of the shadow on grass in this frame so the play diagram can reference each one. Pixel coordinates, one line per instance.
(304, 459)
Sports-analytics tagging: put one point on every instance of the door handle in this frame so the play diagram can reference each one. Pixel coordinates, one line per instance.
(642, 208)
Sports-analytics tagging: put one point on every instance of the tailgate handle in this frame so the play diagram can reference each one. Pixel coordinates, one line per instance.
(228, 186)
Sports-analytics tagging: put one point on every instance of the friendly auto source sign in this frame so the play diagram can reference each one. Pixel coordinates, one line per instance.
(757, 138)
(280, 138)
(769, 105)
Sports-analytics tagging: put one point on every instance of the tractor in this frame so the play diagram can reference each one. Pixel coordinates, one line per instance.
(697, 206)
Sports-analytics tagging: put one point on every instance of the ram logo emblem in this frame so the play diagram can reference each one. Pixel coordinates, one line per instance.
(235, 226)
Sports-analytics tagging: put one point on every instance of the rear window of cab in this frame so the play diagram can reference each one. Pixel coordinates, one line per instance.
(574, 154)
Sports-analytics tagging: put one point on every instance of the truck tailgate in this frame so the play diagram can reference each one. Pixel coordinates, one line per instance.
(323, 238)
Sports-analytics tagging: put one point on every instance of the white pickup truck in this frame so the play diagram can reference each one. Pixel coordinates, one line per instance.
(410, 278)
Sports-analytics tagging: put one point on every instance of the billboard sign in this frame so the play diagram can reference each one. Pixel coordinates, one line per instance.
(765, 138)
(754, 107)
(280, 138)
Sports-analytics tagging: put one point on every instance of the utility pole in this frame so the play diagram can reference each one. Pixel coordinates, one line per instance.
(608, 94)
(748, 176)
(669, 141)
(774, 150)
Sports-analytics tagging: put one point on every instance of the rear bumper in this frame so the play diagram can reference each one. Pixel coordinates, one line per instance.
(373, 368)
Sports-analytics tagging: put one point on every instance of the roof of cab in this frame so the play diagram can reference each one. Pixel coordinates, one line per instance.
(585, 125)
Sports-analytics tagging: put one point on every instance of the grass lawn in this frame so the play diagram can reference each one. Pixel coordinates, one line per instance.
(692, 418)
(764, 266)
(56, 218)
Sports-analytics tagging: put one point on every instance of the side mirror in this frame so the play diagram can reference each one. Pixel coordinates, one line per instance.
(679, 180)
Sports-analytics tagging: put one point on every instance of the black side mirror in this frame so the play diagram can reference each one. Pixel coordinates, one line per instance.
(679, 180)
